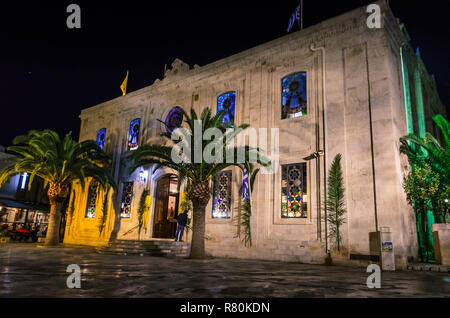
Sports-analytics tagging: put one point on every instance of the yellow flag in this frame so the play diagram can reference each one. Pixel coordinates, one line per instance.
(183, 197)
(123, 87)
(148, 205)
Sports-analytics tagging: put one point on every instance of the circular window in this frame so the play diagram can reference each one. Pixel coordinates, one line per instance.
(174, 120)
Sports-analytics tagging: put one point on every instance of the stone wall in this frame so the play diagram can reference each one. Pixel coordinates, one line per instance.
(364, 119)
(441, 237)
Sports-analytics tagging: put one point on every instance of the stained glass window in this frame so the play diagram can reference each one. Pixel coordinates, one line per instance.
(227, 102)
(294, 99)
(222, 196)
(101, 137)
(127, 195)
(174, 120)
(91, 200)
(294, 191)
(133, 134)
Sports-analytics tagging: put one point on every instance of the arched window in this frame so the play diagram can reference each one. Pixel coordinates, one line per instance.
(222, 196)
(127, 195)
(174, 120)
(133, 134)
(227, 102)
(91, 200)
(294, 197)
(101, 137)
(294, 98)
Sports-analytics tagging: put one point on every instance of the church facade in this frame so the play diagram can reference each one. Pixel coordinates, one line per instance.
(338, 87)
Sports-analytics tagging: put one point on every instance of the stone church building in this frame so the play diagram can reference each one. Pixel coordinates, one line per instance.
(338, 87)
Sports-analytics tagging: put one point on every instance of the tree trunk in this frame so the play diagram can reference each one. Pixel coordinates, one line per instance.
(116, 227)
(198, 231)
(338, 238)
(115, 207)
(199, 195)
(423, 213)
(436, 212)
(52, 237)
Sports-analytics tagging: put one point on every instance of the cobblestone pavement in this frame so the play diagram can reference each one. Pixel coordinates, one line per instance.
(30, 271)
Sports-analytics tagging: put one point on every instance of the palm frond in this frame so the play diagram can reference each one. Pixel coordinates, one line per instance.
(45, 155)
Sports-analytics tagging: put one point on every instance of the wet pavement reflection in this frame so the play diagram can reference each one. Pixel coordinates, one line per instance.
(27, 270)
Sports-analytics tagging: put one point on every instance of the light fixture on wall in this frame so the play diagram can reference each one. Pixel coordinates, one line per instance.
(143, 175)
(314, 155)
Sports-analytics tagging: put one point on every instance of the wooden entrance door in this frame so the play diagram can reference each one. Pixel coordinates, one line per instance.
(166, 208)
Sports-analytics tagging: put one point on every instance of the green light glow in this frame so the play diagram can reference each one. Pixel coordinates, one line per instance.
(423, 223)
(407, 94)
(419, 103)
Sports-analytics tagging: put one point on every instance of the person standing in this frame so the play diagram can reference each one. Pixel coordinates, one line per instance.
(182, 220)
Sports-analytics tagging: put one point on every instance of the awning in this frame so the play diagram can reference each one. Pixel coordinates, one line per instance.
(23, 205)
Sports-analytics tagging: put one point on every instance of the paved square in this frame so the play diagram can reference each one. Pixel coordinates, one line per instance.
(29, 271)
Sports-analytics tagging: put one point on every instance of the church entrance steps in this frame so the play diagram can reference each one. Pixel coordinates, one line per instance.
(163, 248)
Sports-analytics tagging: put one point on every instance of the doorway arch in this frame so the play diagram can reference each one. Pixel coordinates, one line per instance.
(166, 207)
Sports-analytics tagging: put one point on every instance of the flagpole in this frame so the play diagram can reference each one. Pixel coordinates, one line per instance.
(301, 10)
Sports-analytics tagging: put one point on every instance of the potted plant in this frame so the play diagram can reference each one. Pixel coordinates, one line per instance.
(4, 234)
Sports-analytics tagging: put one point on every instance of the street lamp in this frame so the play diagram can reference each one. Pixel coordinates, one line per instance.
(314, 155)
(317, 155)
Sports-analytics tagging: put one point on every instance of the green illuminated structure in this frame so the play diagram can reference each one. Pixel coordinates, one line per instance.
(417, 111)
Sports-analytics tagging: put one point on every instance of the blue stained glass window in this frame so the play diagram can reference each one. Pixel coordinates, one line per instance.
(133, 134)
(227, 102)
(294, 191)
(294, 97)
(91, 200)
(127, 195)
(101, 137)
(222, 196)
(174, 120)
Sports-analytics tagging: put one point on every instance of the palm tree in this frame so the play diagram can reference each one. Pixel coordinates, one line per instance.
(428, 150)
(198, 175)
(59, 163)
(335, 202)
(431, 157)
(252, 173)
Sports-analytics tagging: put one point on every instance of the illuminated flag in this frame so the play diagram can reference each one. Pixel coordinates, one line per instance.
(245, 185)
(147, 206)
(123, 87)
(294, 18)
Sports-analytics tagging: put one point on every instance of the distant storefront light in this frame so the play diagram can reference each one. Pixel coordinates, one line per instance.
(23, 184)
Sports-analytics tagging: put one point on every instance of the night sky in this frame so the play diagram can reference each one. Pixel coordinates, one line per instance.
(49, 73)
